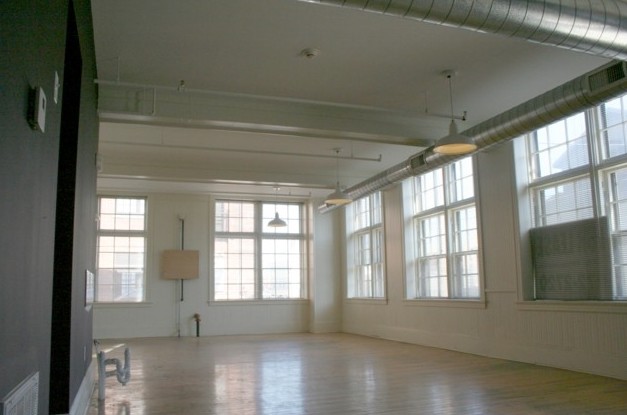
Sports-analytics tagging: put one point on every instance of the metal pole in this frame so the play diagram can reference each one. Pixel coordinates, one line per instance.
(197, 318)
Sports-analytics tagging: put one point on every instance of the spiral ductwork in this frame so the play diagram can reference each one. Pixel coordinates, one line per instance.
(579, 94)
(597, 27)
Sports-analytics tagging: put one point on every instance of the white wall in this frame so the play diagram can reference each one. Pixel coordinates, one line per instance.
(157, 317)
(588, 338)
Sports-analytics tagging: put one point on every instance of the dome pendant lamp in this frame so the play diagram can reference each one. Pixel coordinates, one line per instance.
(277, 222)
(338, 197)
(454, 143)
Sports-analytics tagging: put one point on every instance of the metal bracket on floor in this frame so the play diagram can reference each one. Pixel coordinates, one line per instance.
(123, 373)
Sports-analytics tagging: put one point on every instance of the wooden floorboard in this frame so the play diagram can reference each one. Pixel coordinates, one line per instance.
(340, 374)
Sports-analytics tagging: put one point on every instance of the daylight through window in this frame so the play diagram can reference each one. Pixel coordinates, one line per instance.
(441, 240)
(253, 261)
(577, 171)
(365, 251)
(120, 275)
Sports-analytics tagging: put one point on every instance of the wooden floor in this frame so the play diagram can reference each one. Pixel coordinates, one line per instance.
(340, 374)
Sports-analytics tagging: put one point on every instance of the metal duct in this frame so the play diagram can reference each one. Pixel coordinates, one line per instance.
(598, 27)
(581, 93)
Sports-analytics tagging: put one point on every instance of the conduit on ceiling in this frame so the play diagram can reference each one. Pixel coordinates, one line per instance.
(581, 93)
(595, 27)
(598, 28)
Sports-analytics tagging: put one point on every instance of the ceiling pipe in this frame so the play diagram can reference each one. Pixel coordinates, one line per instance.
(583, 92)
(595, 27)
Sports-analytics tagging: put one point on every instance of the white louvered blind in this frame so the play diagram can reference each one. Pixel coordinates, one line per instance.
(572, 261)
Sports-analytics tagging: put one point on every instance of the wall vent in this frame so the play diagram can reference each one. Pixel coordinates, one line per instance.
(417, 161)
(606, 76)
(24, 399)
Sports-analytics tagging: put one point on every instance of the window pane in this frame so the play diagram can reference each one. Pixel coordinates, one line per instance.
(442, 241)
(288, 212)
(365, 273)
(254, 260)
(466, 280)
(432, 277)
(559, 147)
(361, 212)
(121, 214)
(465, 230)
(377, 208)
(563, 146)
(461, 184)
(613, 123)
(429, 190)
(563, 202)
(233, 264)
(432, 236)
(121, 255)
(281, 268)
(233, 216)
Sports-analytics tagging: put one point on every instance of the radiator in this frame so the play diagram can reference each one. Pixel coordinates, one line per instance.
(24, 399)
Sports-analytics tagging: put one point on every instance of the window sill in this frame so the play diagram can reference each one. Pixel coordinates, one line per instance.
(616, 307)
(123, 305)
(369, 301)
(448, 303)
(292, 301)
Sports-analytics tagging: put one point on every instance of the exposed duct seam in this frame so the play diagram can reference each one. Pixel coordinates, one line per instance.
(594, 27)
(558, 103)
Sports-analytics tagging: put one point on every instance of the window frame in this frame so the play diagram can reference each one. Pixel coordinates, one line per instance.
(117, 233)
(258, 237)
(354, 278)
(446, 209)
(598, 169)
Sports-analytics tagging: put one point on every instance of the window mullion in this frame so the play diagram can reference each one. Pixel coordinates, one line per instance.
(593, 139)
(371, 231)
(450, 232)
(258, 253)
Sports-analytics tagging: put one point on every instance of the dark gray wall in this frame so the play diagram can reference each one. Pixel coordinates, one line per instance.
(32, 42)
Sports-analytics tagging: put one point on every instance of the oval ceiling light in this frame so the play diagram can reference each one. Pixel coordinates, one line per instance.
(277, 222)
(338, 197)
(454, 143)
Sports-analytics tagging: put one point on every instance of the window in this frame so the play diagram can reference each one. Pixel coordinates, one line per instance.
(441, 239)
(120, 268)
(577, 171)
(253, 261)
(365, 250)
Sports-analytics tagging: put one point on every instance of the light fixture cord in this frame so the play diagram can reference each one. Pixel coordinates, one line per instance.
(450, 91)
(337, 167)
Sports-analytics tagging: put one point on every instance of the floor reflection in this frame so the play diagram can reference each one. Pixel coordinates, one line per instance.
(120, 408)
(281, 386)
(341, 375)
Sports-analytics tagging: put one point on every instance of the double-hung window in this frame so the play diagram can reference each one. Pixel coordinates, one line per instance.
(121, 256)
(577, 176)
(441, 238)
(254, 261)
(365, 248)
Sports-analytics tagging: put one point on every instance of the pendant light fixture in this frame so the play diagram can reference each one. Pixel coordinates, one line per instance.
(454, 143)
(277, 222)
(338, 197)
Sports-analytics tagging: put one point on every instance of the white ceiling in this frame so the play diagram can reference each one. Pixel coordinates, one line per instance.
(366, 91)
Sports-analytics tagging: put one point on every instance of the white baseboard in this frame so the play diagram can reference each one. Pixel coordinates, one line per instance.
(83, 397)
(326, 327)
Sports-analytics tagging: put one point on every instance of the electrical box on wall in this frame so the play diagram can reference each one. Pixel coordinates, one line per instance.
(37, 109)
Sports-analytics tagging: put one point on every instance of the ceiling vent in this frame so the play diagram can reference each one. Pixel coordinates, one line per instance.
(607, 76)
(609, 82)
